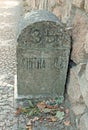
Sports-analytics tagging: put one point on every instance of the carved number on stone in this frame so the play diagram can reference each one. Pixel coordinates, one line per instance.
(36, 36)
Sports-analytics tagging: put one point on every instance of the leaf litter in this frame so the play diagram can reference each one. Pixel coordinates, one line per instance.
(51, 110)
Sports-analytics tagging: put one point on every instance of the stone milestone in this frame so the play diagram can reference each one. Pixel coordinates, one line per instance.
(42, 56)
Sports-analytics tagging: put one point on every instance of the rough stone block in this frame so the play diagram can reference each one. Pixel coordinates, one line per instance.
(80, 38)
(42, 56)
(60, 8)
(86, 5)
(78, 108)
(84, 122)
(78, 3)
(73, 87)
(84, 83)
(78, 85)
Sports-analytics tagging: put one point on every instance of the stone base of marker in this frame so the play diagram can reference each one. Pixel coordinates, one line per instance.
(18, 96)
(42, 56)
(33, 96)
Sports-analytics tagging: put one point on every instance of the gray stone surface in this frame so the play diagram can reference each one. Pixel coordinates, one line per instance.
(78, 85)
(10, 14)
(61, 8)
(78, 108)
(73, 87)
(80, 37)
(42, 56)
(84, 84)
(84, 122)
(77, 88)
(7, 118)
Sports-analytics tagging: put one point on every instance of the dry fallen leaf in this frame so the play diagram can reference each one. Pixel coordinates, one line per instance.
(35, 119)
(61, 108)
(52, 107)
(67, 111)
(52, 119)
(41, 105)
(67, 123)
(29, 125)
(60, 115)
(19, 110)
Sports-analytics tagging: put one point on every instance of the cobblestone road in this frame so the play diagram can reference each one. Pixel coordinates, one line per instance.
(8, 119)
(10, 13)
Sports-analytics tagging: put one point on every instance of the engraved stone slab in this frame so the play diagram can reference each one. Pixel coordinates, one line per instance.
(42, 56)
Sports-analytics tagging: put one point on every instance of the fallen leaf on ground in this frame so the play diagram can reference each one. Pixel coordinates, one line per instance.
(59, 100)
(29, 127)
(67, 111)
(25, 110)
(29, 123)
(41, 119)
(67, 123)
(52, 119)
(30, 103)
(41, 105)
(60, 115)
(52, 107)
(33, 112)
(19, 110)
(61, 108)
(46, 110)
(35, 119)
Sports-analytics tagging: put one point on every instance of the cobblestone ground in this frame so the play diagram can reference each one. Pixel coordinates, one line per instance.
(8, 119)
(10, 12)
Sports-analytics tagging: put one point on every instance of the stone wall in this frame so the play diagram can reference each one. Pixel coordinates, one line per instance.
(78, 81)
(61, 8)
(75, 14)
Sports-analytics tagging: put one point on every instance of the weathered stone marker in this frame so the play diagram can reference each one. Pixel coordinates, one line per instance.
(42, 56)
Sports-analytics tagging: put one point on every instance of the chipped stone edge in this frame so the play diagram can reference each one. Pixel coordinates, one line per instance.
(15, 87)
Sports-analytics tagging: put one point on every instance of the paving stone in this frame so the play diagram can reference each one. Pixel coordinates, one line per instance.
(2, 124)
